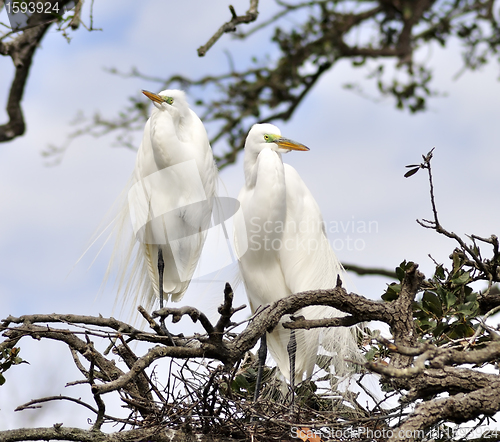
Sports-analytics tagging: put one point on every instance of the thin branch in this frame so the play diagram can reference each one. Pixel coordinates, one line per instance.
(226, 311)
(178, 313)
(435, 224)
(101, 407)
(482, 326)
(151, 322)
(35, 404)
(230, 26)
(362, 271)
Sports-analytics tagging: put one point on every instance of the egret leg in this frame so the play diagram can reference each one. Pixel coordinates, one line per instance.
(161, 267)
(292, 351)
(262, 360)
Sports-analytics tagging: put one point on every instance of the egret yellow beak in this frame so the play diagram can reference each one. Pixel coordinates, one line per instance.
(153, 97)
(285, 143)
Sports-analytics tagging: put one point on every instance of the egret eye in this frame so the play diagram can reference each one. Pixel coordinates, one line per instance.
(267, 138)
(168, 100)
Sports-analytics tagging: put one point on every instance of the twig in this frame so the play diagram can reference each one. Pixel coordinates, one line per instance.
(359, 270)
(436, 225)
(178, 313)
(226, 311)
(230, 26)
(153, 324)
(482, 326)
(33, 404)
(101, 407)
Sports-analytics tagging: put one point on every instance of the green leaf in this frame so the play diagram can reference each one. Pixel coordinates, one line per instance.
(400, 273)
(401, 270)
(426, 324)
(411, 172)
(2, 379)
(432, 303)
(461, 330)
(450, 299)
(472, 297)
(240, 382)
(461, 279)
(418, 312)
(371, 353)
(439, 273)
(392, 292)
(467, 309)
(457, 263)
(440, 328)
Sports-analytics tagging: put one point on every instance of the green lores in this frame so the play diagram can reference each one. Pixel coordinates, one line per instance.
(270, 138)
(168, 100)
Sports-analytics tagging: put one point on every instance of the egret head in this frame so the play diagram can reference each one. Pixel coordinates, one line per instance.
(172, 101)
(267, 135)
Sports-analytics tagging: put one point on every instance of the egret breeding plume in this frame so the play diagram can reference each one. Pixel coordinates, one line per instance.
(287, 251)
(169, 202)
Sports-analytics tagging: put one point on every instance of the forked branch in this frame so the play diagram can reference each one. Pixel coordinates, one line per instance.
(231, 25)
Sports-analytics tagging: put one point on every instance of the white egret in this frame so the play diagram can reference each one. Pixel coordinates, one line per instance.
(285, 250)
(169, 202)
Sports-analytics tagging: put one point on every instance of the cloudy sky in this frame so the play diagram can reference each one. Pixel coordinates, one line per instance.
(355, 167)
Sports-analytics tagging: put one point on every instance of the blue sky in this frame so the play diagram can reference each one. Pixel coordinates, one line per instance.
(354, 169)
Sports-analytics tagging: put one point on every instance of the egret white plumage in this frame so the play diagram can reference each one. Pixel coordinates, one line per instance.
(170, 201)
(287, 251)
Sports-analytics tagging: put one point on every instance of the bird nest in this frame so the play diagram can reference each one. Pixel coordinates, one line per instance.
(206, 399)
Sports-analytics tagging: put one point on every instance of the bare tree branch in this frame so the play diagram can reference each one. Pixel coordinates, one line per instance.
(230, 26)
(59, 432)
(458, 408)
(362, 271)
(21, 49)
